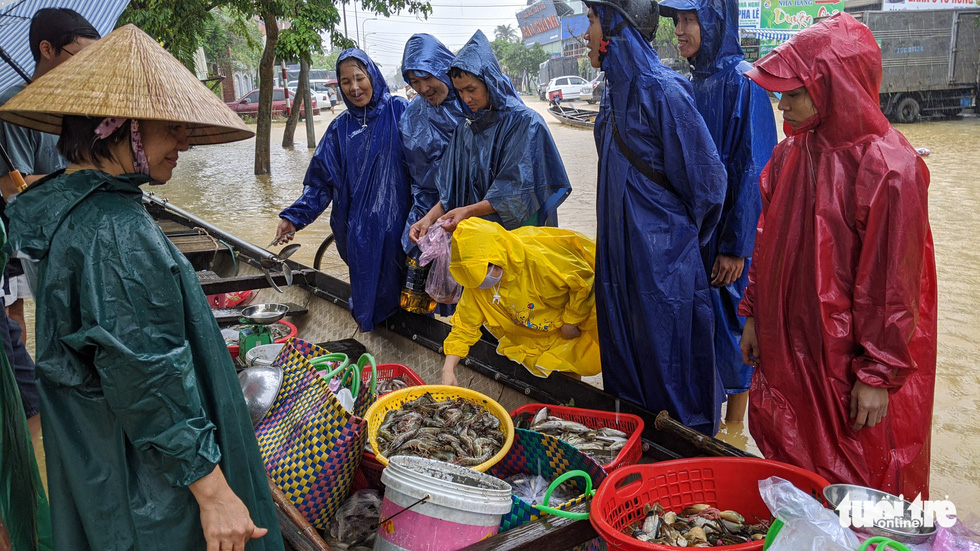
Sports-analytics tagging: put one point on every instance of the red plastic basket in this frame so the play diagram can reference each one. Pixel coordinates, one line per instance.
(369, 474)
(723, 482)
(595, 419)
(390, 371)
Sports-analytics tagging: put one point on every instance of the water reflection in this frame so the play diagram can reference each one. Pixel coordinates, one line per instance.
(216, 183)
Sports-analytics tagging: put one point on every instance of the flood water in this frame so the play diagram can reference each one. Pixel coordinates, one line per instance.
(217, 184)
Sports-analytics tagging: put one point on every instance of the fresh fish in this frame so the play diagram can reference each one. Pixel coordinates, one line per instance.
(602, 444)
(391, 385)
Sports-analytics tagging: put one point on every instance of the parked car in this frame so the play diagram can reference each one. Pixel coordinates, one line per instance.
(592, 91)
(566, 87)
(249, 103)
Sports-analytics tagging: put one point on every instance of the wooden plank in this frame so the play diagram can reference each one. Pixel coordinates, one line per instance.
(549, 533)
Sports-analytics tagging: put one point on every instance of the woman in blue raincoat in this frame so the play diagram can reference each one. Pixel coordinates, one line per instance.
(427, 125)
(502, 163)
(359, 166)
(739, 117)
(660, 192)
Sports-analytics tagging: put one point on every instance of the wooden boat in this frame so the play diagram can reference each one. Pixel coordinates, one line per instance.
(584, 118)
(320, 301)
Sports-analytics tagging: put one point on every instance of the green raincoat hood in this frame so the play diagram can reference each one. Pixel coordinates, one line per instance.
(33, 220)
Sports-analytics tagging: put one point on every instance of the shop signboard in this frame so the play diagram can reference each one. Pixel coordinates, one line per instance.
(539, 23)
(749, 12)
(796, 14)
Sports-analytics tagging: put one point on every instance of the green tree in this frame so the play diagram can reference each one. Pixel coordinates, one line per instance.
(298, 43)
(505, 33)
(515, 58)
(665, 41)
(180, 24)
(177, 24)
(271, 12)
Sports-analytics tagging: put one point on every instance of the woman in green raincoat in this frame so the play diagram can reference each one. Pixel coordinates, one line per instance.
(146, 436)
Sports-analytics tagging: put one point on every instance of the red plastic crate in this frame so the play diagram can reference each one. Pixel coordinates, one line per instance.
(722, 482)
(595, 419)
(369, 474)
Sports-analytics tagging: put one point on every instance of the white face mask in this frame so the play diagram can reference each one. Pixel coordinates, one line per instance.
(491, 280)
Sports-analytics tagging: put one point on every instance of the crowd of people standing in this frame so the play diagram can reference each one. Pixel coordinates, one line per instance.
(798, 278)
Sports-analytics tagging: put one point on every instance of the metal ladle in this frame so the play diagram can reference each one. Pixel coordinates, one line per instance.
(279, 261)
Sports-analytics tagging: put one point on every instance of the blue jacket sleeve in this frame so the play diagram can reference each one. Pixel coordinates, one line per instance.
(529, 173)
(753, 136)
(691, 161)
(318, 186)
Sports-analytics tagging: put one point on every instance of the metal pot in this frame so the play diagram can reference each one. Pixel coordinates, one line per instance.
(901, 529)
(260, 385)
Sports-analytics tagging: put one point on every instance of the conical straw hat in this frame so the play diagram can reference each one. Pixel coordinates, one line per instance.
(126, 75)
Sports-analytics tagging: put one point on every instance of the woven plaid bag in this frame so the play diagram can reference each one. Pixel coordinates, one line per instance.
(549, 457)
(310, 444)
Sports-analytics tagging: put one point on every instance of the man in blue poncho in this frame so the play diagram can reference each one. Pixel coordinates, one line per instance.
(659, 198)
(502, 163)
(427, 126)
(359, 166)
(739, 117)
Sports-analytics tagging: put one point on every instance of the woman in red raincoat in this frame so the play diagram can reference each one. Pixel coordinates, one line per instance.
(842, 292)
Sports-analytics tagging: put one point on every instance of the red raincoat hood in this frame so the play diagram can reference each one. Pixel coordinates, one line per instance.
(839, 63)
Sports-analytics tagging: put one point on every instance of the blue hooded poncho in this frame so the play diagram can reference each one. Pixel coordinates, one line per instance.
(359, 166)
(654, 305)
(739, 117)
(426, 129)
(503, 154)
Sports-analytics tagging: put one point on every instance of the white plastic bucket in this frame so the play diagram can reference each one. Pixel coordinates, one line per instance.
(264, 354)
(462, 508)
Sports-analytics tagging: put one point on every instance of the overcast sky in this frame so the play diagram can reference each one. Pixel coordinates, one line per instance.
(451, 21)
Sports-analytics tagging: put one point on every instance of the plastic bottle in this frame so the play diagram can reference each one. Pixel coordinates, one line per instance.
(414, 298)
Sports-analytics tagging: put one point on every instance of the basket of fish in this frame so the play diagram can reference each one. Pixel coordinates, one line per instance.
(392, 377)
(612, 439)
(700, 502)
(532, 464)
(448, 423)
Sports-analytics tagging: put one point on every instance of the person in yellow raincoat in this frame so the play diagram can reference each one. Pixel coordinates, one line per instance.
(532, 288)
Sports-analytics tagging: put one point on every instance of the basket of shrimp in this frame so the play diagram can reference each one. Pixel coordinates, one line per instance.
(448, 423)
(612, 439)
(391, 377)
(700, 502)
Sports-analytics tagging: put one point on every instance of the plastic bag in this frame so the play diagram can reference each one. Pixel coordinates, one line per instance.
(356, 522)
(807, 524)
(531, 488)
(436, 248)
(962, 536)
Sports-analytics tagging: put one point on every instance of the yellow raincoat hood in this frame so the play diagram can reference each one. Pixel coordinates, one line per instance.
(547, 282)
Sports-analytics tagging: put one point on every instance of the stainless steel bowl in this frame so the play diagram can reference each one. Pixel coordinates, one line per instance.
(260, 385)
(835, 494)
(265, 313)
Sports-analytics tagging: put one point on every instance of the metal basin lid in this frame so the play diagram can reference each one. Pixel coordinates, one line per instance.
(265, 313)
(260, 385)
